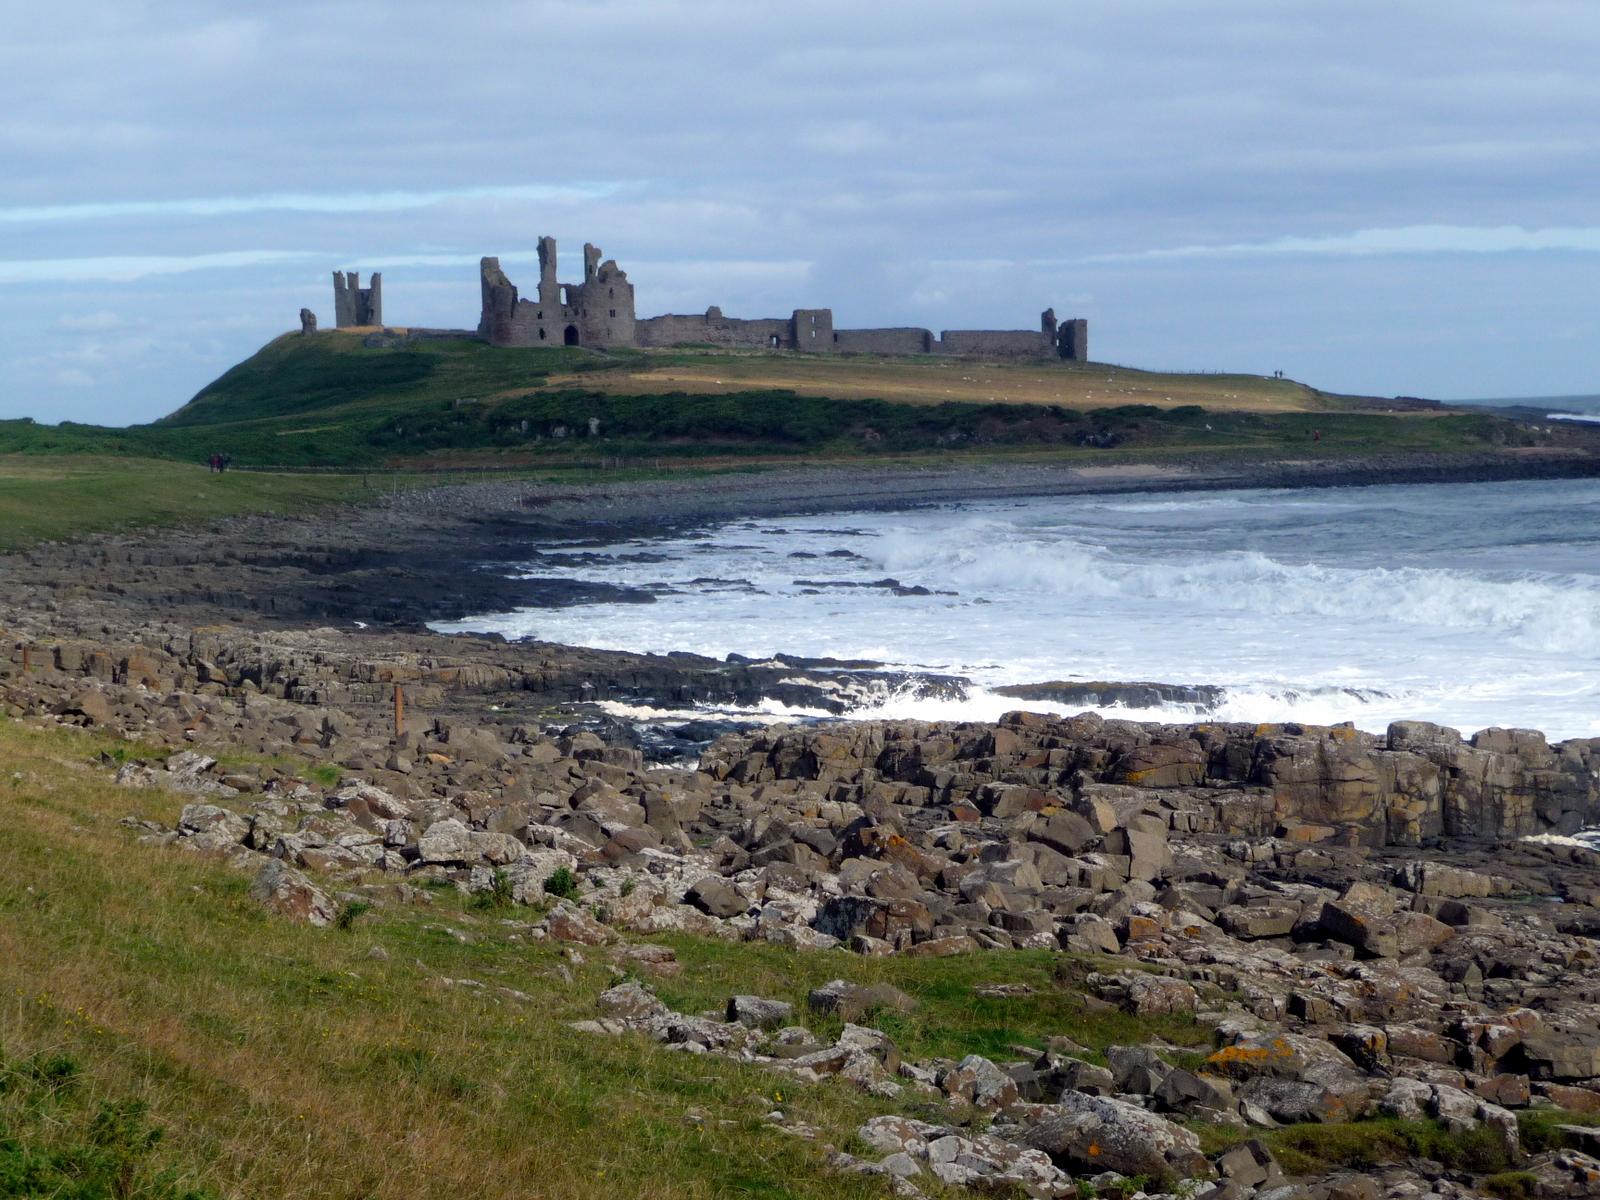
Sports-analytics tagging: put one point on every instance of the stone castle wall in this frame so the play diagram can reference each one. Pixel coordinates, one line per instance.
(997, 343)
(884, 341)
(600, 312)
(714, 329)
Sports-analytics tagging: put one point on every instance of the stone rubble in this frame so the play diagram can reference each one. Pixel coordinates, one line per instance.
(1358, 919)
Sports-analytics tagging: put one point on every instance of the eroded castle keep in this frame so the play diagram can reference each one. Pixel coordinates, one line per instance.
(354, 305)
(599, 312)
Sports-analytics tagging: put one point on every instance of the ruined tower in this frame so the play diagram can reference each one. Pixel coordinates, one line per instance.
(354, 305)
(596, 312)
(1072, 338)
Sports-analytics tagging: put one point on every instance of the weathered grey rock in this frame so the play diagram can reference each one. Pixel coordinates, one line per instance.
(569, 923)
(289, 893)
(630, 1000)
(210, 827)
(853, 1001)
(1157, 995)
(1097, 1133)
(447, 841)
(979, 1082)
(1371, 932)
(756, 1012)
(716, 897)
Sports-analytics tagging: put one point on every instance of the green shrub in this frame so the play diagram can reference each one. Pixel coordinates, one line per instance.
(562, 884)
(1512, 1185)
(348, 912)
(499, 894)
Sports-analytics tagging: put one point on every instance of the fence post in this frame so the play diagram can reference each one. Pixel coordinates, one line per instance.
(27, 658)
(399, 712)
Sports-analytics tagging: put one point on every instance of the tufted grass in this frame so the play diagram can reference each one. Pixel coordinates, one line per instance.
(44, 498)
(279, 1060)
(951, 1020)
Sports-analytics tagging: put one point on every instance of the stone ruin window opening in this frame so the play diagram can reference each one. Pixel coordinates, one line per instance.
(541, 335)
(775, 342)
(570, 337)
(613, 312)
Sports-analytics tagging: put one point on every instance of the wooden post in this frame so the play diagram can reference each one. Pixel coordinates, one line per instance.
(399, 712)
(27, 658)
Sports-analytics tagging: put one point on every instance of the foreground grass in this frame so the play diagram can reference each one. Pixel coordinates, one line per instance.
(288, 1062)
(44, 498)
(272, 1059)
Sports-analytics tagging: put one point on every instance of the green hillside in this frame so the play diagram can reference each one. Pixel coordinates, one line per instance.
(331, 400)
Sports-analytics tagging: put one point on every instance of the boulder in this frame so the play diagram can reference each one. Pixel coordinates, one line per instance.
(756, 1012)
(447, 842)
(852, 1001)
(1098, 1133)
(289, 893)
(979, 1082)
(716, 897)
(211, 827)
(569, 923)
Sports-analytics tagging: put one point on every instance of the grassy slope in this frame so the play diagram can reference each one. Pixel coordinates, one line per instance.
(291, 1062)
(329, 400)
(163, 1037)
(62, 496)
(936, 380)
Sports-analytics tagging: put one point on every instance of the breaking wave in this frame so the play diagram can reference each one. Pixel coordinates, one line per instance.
(1544, 612)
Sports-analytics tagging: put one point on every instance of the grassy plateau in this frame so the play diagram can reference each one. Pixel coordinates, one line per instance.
(330, 400)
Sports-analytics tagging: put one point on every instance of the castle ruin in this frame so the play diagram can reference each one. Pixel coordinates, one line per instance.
(354, 305)
(596, 312)
(599, 312)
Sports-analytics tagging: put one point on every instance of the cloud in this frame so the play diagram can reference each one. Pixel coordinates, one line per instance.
(89, 322)
(126, 268)
(1404, 239)
(303, 202)
(74, 377)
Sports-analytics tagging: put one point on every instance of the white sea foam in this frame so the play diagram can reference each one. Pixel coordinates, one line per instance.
(1469, 605)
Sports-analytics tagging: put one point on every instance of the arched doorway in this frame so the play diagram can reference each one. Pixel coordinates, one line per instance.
(570, 337)
(775, 342)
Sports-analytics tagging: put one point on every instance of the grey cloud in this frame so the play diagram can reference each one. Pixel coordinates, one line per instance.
(1202, 181)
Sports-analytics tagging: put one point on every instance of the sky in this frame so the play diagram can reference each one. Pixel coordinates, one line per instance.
(1392, 199)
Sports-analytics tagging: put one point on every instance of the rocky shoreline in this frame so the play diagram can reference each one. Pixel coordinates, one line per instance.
(1360, 923)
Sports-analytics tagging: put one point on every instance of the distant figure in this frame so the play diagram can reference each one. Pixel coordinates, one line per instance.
(1316, 435)
(215, 463)
(225, 461)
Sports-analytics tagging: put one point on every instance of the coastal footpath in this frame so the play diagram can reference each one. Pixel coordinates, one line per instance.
(1279, 941)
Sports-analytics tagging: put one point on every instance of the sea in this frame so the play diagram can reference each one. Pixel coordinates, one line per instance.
(1471, 605)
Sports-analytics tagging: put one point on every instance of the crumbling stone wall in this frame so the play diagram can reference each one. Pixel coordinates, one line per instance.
(903, 340)
(712, 328)
(597, 312)
(997, 343)
(600, 312)
(353, 305)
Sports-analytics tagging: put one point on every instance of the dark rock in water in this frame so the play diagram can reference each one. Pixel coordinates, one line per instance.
(1100, 694)
(708, 731)
(811, 664)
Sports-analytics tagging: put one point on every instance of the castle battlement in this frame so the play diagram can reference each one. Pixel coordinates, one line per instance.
(600, 312)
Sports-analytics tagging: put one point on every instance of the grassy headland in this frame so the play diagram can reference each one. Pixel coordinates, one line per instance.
(332, 401)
